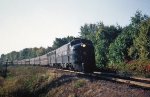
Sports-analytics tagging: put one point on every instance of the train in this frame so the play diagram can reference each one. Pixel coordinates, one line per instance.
(76, 55)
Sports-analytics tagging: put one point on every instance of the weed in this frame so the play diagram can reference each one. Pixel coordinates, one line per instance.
(24, 81)
(79, 83)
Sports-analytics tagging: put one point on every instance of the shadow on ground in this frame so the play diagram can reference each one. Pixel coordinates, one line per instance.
(56, 83)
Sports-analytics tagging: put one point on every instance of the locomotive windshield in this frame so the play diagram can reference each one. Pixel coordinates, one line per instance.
(78, 41)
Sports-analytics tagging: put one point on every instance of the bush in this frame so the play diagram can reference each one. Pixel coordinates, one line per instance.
(134, 67)
(79, 83)
(24, 81)
(139, 67)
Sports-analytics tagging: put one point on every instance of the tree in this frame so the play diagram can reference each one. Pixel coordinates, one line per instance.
(25, 53)
(118, 50)
(88, 31)
(3, 57)
(104, 37)
(125, 48)
(136, 21)
(138, 18)
(49, 49)
(142, 41)
(41, 51)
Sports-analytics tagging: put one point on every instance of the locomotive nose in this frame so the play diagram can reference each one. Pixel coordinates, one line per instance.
(83, 45)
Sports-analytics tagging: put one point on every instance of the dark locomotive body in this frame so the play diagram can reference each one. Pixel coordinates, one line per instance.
(76, 55)
(83, 56)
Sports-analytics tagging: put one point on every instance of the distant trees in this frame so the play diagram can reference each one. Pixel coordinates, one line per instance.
(34, 52)
(114, 44)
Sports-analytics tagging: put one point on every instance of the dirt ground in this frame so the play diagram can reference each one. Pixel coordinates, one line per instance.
(50, 82)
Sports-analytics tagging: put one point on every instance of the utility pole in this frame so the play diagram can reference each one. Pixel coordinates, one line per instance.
(5, 73)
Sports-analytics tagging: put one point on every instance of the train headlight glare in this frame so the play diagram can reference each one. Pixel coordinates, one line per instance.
(83, 45)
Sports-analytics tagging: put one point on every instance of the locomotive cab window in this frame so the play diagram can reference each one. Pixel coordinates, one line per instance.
(74, 42)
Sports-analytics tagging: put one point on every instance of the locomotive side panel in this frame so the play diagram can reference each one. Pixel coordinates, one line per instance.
(49, 58)
(32, 61)
(52, 58)
(37, 61)
(15, 62)
(65, 57)
(19, 62)
(65, 54)
(58, 56)
(44, 60)
(27, 61)
(70, 54)
(62, 54)
(23, 62)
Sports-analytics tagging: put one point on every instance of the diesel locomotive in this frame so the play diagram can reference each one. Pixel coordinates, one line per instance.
(76, 55)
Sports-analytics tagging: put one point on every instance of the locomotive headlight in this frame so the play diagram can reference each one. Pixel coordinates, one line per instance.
(83, 45)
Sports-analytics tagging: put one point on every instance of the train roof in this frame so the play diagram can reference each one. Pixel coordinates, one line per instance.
(79, 40)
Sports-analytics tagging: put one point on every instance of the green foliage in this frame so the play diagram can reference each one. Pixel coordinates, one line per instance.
(136, 68)
(132, 68)
(118, 50)
(88, 31)
(101, 36)
(125, 46)
(136, 24)
(142, 41)
(79, 83)
(2, 57)
(49, 49)
(138, 18)
(133, 53)
(104, 37)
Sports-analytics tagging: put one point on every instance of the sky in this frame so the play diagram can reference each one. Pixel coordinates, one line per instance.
(36, 23)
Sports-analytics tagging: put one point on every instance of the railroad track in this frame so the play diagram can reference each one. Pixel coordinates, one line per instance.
(131, 81)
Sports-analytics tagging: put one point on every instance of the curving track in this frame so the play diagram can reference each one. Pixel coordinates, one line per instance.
(131, 81)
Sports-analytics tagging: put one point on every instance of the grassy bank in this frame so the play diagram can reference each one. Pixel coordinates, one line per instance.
(34, 81)
(132, 68)
(24, 81)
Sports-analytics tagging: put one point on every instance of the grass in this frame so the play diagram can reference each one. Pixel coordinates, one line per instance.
(133, 68)
(23, 81)
(2, 70)
(69, 89)
(79, 83)
(34, 81)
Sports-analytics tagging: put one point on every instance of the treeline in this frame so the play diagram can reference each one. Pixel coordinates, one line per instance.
(118, 47)
(116, 44)
(34, 52)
